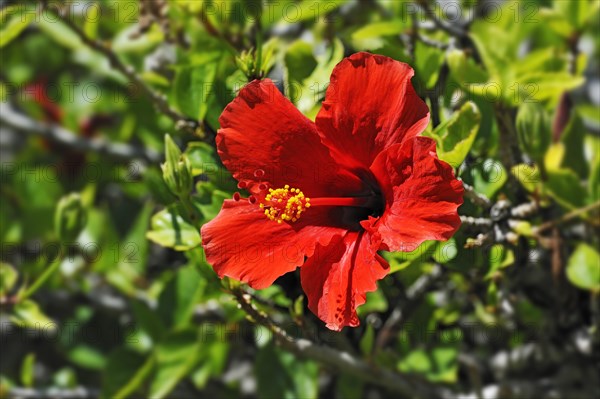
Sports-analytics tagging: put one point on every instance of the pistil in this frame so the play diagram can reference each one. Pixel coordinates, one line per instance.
(362, 202)
(287, 204)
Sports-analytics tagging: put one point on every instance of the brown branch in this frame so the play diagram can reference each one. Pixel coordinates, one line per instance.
(432, 43)
(407, 304)
(57, 393)
(452, 30)
(160, 102)
(478, 223)
(475, 197)
(341, 361)
(64, 137)
(565, 218)
(232, 46)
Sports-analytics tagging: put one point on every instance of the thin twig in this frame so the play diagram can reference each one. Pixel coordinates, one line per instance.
(407, 304)
(432, 43)
(160, 102)
(451, 29)
(342, 361)
(64, 137)
(526, 210)
(480, 223)
(475, 197)
(434, 95)
(565, 218)
(57, 393)
(212, 30)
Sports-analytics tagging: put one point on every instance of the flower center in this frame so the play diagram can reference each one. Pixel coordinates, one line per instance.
(288, 204)
(285, 204)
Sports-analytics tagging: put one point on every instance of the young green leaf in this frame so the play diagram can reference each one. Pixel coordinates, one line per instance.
(169, 229)
(456, 136)
(8, 278)
(583, 268)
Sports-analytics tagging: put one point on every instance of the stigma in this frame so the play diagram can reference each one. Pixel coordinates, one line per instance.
(284, 204)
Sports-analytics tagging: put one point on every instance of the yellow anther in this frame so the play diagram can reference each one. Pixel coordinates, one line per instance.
(284, 204)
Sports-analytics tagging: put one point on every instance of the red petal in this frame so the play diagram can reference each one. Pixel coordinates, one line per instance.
(262, 131)
(338, 276)
(370, 105)
(421, 194)
(243, 244)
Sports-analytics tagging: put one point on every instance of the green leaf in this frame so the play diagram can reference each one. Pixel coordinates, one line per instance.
(87, 357)
(209, 211)
(299, 62)
(213, 359)
(378, 29)
(575, 12)
(148, 320)
(135, 245)
(367, 340)
(275, 294)
(191, 88)
(281, 375)
(376, 302)
(175, 358)
(13, 28)
(445, 251)
(565, 187)
(127, 41)
(464, 70)
(312, 87)
(528, 176)
(500, 257)
(556, 21)
(589, 112)
(573, 139)
(349, 387)
(594, 181)
(202, 158)
(554, 156)
(401, 260)
(60, 33)
(170, 229)
(506, 32)
(456, 136)
(488, 177)
(177, 301)
(583, 268)
(297, 310)
(27, 370)
(8, 278)
(437, 364)
(533, 129)
(69, 217)
(542, 86)
(65, 378)
(124, 372)
(309, 10)
(27, 314)
(428, 62)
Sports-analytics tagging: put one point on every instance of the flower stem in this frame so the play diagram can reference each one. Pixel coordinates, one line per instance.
(42, 279)
(188, 206)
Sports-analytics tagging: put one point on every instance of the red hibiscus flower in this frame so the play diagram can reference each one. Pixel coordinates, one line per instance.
(327, 196)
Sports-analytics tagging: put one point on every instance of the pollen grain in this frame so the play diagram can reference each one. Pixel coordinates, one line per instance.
(285, 204)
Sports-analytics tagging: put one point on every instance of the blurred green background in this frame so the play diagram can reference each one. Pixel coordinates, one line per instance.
(104, 290)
